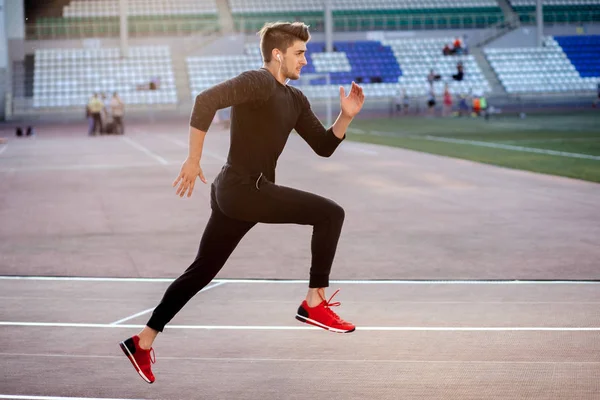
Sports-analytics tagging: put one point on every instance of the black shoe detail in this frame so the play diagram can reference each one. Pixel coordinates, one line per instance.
(130, 345)
(302, 312)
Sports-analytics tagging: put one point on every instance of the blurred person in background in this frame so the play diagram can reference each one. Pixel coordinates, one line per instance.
(447, 110)
(431, 102)
(457, 46)
(106, 114)
(460, 72)
(446, 50)
(95, 107)
(463, 105)
(118, 110)
(402, 102)
(476, 106)
(432, 77)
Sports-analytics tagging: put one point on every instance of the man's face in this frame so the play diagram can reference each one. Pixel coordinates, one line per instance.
(293, 60)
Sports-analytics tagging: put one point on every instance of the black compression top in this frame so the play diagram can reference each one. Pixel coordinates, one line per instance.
(263, 114)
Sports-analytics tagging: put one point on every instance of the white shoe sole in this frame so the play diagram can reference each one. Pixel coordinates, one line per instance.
(320, 325)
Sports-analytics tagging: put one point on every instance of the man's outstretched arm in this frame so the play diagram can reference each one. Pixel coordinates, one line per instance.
(325, 141)
(350, 106)
(191, 167)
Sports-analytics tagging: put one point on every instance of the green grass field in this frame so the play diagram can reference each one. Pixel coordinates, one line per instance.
(566, 145)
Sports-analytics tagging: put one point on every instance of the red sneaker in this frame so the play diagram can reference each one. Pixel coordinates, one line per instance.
(141, 359)
(324, 317)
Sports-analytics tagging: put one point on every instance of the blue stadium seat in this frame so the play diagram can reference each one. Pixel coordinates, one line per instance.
(583, 52)
(369, 62)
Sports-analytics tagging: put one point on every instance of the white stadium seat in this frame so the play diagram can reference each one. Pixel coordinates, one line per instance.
(68, 77)
(537, 70)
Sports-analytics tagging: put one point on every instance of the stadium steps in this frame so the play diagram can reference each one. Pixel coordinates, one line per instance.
(510, 22)
(487, 71)
(18, 78)
(29, 68)
(182, 79)
(225, 16)
(509, 13)
(5, 96)
(22, 77)
(191, 45)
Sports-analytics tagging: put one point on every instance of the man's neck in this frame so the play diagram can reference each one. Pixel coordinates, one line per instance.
(274, 69)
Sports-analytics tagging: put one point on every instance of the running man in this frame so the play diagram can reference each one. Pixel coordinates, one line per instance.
(264, 112)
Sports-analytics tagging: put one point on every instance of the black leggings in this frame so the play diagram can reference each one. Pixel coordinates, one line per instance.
(236, 207)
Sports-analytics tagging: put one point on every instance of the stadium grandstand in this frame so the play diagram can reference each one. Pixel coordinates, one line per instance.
(71, 49)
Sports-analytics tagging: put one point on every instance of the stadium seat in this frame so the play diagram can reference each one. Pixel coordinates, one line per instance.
(68, 77)
(417, 56)
(584, 53)
(381, 68)
(368, 61)
(537, 70)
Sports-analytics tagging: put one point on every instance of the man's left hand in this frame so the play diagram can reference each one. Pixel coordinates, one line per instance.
(352, 104)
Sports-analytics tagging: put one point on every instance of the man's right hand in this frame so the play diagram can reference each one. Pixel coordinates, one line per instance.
(190, 170)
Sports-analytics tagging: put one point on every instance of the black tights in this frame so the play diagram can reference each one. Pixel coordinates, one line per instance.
(246, 204)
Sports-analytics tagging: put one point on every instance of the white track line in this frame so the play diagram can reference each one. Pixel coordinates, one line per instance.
(301, 328)
(506, 147)
(3, 148)
(145, 150)
(21, 397)
(132, 316)
(312, 360)
(152, 309)
(303, 281)
(356, 130)
(356, 148)
(487, 144)
(559, 140)
(186, 145)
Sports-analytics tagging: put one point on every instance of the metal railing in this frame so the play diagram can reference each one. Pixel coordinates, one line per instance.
(69, 29)
(353, 23)
(560, 17)
(495, 31)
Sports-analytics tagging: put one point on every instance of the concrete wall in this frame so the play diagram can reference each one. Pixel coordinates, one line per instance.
(3, 37)
(522, 37)
(15, 25)
(566, 30)
(15, 29)
(4, 83)
(4, 61)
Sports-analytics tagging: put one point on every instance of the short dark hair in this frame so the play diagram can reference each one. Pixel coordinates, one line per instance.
(281, 35)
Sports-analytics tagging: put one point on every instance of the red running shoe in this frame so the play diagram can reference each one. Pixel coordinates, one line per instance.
(324, 317)
(141, 359)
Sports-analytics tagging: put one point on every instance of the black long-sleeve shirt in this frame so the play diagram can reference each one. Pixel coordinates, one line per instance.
(263, 114)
